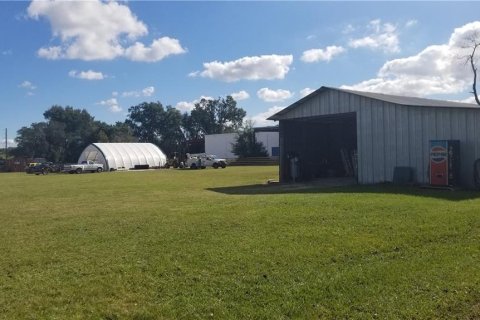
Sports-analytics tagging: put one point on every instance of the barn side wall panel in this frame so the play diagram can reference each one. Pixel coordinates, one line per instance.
(395, 135)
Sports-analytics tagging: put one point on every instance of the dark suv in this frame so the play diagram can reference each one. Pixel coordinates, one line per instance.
(43, 168)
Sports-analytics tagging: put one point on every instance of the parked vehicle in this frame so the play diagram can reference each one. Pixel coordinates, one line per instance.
(174, 162)
(84, 166)
(46, 168)
(202, 160)
(43, 167)
(30, 167)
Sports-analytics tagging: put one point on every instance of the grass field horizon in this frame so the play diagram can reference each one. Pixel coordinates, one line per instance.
(197, 244)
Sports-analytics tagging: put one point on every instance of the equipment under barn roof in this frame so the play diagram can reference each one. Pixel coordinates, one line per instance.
(336, 132)
(124, 156)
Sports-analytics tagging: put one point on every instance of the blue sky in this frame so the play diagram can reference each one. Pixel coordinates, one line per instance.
(108, 56)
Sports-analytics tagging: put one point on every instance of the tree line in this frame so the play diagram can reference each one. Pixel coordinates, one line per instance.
(66, 131)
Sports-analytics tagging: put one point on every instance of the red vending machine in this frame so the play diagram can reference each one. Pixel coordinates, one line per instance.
(444, 162)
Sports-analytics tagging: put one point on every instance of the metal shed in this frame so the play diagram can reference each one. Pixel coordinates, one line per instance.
(377, 132)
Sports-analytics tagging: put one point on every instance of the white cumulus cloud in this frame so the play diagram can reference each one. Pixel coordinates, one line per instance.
(306, 91)
(435, 70)
(158, 50)
(315, 55)
(270, 95)
(10, 143)
(260, 119)
(112, 104)
(240, 95)
(98, 30)
(265, 67)
(146, 92)
(27, 85)
(411, 23)
(30, 87)
(382, 36)
(470, 100)
(87, 75)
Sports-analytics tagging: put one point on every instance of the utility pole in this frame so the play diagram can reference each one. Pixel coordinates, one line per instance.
(6, 145)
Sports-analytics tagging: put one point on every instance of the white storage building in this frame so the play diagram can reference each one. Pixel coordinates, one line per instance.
(221, 144)
(124, 156)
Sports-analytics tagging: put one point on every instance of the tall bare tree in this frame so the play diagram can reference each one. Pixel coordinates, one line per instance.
(472, 43)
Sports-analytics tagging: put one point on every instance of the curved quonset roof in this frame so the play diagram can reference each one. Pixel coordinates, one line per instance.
(115, 156)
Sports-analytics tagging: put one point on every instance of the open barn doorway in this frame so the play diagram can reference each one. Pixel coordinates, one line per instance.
(319, 147)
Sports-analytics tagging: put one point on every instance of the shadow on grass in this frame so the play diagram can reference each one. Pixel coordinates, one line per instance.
(264, 189)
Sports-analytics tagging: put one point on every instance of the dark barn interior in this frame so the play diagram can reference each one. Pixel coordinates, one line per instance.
(320, 147)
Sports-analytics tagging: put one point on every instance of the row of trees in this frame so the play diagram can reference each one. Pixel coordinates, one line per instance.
(67, 131)
(173, 131)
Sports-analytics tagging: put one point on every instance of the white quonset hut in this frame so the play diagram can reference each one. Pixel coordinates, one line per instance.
(124, 156)
(375, 132)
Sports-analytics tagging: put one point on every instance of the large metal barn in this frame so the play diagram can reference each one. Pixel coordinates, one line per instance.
(336, 133)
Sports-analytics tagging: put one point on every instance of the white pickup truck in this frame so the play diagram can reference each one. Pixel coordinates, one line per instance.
(202, 160)
(84, 166)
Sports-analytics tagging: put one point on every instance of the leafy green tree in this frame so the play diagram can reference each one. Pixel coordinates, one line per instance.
(246, 145)
(190, 128)
(210, 117)
(32, 141)
(56, 134)
(173, 138)
(120, 132)
(194, 140)
(144, 119)
(79, 129)
(215, 116)
(66, 132)
(151, 122)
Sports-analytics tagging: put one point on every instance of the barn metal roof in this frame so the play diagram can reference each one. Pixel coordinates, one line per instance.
(401, 100)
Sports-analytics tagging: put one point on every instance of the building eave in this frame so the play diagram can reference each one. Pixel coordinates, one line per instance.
(396, 99)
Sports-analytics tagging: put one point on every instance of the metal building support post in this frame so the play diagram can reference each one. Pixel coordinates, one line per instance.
(6, 144)
(281, 144)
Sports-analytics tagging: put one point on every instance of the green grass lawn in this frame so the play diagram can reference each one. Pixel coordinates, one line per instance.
(172, 244)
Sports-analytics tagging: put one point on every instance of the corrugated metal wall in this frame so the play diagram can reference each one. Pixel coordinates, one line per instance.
(390, 135)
